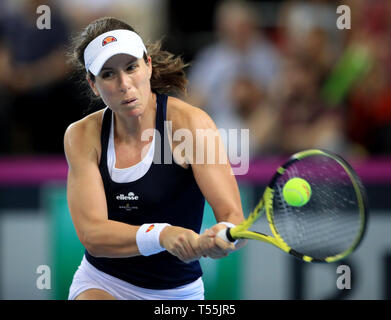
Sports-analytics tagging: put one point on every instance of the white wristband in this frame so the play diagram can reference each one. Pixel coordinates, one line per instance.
(147, 238)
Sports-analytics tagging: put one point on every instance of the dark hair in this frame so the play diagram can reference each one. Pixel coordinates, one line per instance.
(168, 76)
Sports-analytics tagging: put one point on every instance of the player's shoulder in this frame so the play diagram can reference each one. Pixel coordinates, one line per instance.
(84, 127)
(83, 135)
(185, 115)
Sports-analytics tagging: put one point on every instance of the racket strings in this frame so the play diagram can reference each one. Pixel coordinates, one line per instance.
(330, 222)
(323, 245)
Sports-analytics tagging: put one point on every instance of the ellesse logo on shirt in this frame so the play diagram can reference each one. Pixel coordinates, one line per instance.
(130, 196)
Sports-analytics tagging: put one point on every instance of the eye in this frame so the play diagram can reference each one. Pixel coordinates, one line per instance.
(107, 74)
(132, 67)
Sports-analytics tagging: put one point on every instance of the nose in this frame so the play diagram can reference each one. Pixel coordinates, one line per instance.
(125, 83)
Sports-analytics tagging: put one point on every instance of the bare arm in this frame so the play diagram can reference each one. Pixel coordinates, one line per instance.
(218, 183)
(215, 180)
(214, 175)
(87, 200)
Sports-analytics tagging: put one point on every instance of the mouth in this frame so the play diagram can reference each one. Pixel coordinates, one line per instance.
(129, 101)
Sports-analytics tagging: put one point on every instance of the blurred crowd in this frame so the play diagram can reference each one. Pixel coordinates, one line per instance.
(40, 95)
(295, 82)
(301, 83)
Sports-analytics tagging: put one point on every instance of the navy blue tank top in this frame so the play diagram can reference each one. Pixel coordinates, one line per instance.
(167, 193)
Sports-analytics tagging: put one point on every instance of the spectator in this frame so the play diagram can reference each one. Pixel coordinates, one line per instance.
(305, 121)
(293, 115)
(4, 95)
(369, 100)
(35, 74)
(309, 27)
(241, 61)
(82, 12)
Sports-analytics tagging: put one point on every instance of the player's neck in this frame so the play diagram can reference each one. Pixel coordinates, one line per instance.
(131, 129)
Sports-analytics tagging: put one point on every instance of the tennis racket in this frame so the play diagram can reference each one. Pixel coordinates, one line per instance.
(327, 228)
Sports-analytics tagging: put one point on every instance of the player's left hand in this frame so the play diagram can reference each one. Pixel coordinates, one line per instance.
(213, 246)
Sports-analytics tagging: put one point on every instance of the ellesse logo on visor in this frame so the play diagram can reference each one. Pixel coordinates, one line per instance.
(108, 39)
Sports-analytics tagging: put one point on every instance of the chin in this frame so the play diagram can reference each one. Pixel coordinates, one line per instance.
(135, 112)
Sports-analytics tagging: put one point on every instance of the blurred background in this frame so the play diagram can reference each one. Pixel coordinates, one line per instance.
(281, 69)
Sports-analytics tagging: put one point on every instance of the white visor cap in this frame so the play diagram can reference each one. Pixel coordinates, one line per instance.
(109, 44)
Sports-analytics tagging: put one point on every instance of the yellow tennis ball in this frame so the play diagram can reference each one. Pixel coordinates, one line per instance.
(296, 192)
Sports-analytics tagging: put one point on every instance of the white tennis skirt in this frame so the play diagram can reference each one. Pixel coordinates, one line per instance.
(88, 277)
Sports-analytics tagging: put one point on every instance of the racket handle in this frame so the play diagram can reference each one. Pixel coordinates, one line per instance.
(225, 235)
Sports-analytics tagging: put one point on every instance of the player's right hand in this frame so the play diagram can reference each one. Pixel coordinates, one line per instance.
(212, 246)
(181, 242)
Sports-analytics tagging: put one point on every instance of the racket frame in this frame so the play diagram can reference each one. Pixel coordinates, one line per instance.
(242, 231)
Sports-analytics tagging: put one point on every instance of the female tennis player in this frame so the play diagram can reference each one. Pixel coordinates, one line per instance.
(137, 213)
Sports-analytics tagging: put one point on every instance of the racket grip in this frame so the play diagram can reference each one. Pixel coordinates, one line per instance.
(225, 235)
